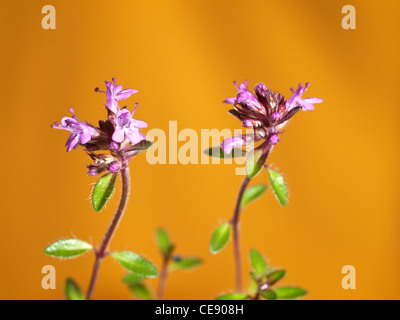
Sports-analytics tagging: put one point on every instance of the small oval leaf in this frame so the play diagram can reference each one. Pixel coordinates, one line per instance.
(72, 291)
(256, 160)
(132, 278)
(232, 296)
(269, 294)
(163, 241)
(252, 194)
(103, 191)
(67, 248)
(258, 263)
(136, 264)
(140, 291)
(278, 186)
(275, 276)
(184, 263)
(290, 292)
(220, 238)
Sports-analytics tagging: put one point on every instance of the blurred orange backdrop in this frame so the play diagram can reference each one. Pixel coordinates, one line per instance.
(340, 161)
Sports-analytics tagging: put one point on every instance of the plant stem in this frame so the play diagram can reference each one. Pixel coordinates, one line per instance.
(163, 278)
(101, 253)
(236, 235)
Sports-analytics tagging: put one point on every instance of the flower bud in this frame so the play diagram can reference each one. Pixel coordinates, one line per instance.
(114, 167)
(274, 139)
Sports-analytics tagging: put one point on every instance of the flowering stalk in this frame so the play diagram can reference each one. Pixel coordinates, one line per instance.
(236, 234)
(267, 113)
(120, 135)
(101, 253)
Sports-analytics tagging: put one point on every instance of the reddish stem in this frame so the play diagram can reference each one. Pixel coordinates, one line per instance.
(101, 253)
(236, 234)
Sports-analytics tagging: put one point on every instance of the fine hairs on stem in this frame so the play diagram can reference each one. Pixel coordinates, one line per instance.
(101, 253)
(110, 145)
(236, 234)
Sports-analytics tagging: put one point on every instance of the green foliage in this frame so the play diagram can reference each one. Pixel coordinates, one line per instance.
(217, 152)
(258, 263)
(163, 241)
(220, 238)
(269, 294)
(72, 290)
(185, 263)
(252, 194)
(233, 296)
(275, 276)
(290, 293)
(67, 248)
(278, 186)
(132, 278)
(255, 161)
(103, 191)
(141, 291)
(135, 263)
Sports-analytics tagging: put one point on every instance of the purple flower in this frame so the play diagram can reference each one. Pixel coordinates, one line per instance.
(305, 104)
(126, 126)
(230, 143)
(81, 132)
(245, 98)
(114, 94)
(241, 87)
(266, 112)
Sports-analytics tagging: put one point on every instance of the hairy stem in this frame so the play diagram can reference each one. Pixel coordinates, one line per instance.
(101, 253)
(163, 278)
(236, 234)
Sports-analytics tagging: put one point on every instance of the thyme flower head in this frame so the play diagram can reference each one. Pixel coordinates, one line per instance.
(119, 133)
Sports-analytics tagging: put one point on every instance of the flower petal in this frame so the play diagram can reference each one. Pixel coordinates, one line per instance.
(118, 135)
(124, 94)
(230, 143)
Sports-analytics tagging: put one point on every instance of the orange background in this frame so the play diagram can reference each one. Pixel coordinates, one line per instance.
(340, 161)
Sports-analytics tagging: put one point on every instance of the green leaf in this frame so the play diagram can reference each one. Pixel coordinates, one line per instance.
(217, 152)
(269, 294)
(290, 292)
(136, 264)
(252, 194)
(220, 238)
(137, 148)
(232, 296)
(67, 248)
(278, 186)
(132, 278)
(256, 160)
(103, 191)
(142, 145)
(253, 287)
(72, 291)
(163, 242)
(258, 263)
(185, 263)
(140, 291)
(275, 276)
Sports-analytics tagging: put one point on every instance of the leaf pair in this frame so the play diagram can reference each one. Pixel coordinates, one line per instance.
(70, 248)
(269, 276)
